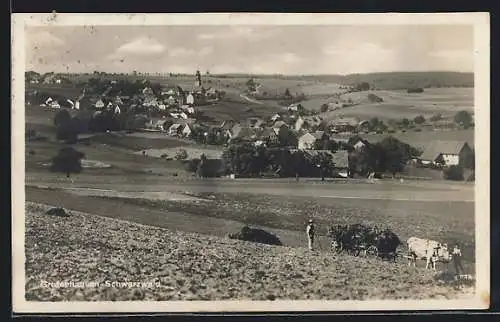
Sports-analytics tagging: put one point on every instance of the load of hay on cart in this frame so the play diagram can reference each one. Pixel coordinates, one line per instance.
(360, 239)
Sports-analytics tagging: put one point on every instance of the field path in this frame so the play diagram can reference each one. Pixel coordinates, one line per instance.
(383, 190)
(251, 100)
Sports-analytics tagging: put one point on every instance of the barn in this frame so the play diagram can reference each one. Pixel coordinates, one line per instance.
(448, 153)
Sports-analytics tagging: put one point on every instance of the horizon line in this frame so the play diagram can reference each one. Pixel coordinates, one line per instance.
(261, 74)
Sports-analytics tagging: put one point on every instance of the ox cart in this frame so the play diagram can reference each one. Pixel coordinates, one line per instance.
(368, 241)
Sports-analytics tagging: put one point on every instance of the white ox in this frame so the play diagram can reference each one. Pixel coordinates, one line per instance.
(429, 250)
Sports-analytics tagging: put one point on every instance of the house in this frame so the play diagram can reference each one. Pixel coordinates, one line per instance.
(359, 143)
(320, 135)
(48, 101)
(176, 92)
(275, 117)
(299, 124)
(175, 129)
(241, 132)
(294, 107)
(211, 92)
(256, 123)
(190, 99)
(147, 91)
(55, 104)
(342, 142)
(187, 130)
(314, 121)
(268, 135)
(150, 101)
(341, 163)
(118, 100)
(448, 153)
(278, 126)
(306, 142)
(99, 104)
(344, 124)
(364, 126)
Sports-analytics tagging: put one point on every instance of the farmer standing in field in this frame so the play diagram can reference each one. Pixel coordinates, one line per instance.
(310, 233)
(457, 259)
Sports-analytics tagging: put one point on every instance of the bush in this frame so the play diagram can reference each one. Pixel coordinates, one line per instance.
(57, 212)
(374, 98)
(415, 90)
(463, 118)
(419, 119)
(257, 236)
(454, 172)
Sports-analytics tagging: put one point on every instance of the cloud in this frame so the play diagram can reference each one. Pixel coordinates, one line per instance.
(45, 39)
(452, 54)
(206, 51)
(355, 48)
(182, 52)
(142, 46)
(291, 58)
(242, 32)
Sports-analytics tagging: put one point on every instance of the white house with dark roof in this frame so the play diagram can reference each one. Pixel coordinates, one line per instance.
(99, 104)
(306, 142)
(448, 153)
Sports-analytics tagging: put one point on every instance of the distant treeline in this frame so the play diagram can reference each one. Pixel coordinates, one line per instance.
(388, 80)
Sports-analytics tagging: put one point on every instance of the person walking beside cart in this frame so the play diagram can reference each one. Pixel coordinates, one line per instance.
(457, 259)
(310, 231)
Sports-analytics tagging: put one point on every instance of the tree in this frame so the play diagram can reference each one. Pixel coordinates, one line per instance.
(287, 93)
(66, 127)
(405, 122)
(463, 118)
(68, 161)
(202, 167)
(363, 86)
(436, 117)
(394, 154)
(251, 85)
(454, 172)
(286, 137)
(62, 118)
(419, 119)
(324, 108)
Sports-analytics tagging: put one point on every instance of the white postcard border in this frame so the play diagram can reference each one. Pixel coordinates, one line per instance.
(482, 144)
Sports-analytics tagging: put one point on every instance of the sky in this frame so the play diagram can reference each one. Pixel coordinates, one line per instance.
(288, 50)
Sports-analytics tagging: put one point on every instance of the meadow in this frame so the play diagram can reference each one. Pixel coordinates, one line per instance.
(398, 104)
(189, 266)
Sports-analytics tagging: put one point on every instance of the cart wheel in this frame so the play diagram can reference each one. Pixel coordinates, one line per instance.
(372, 251)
